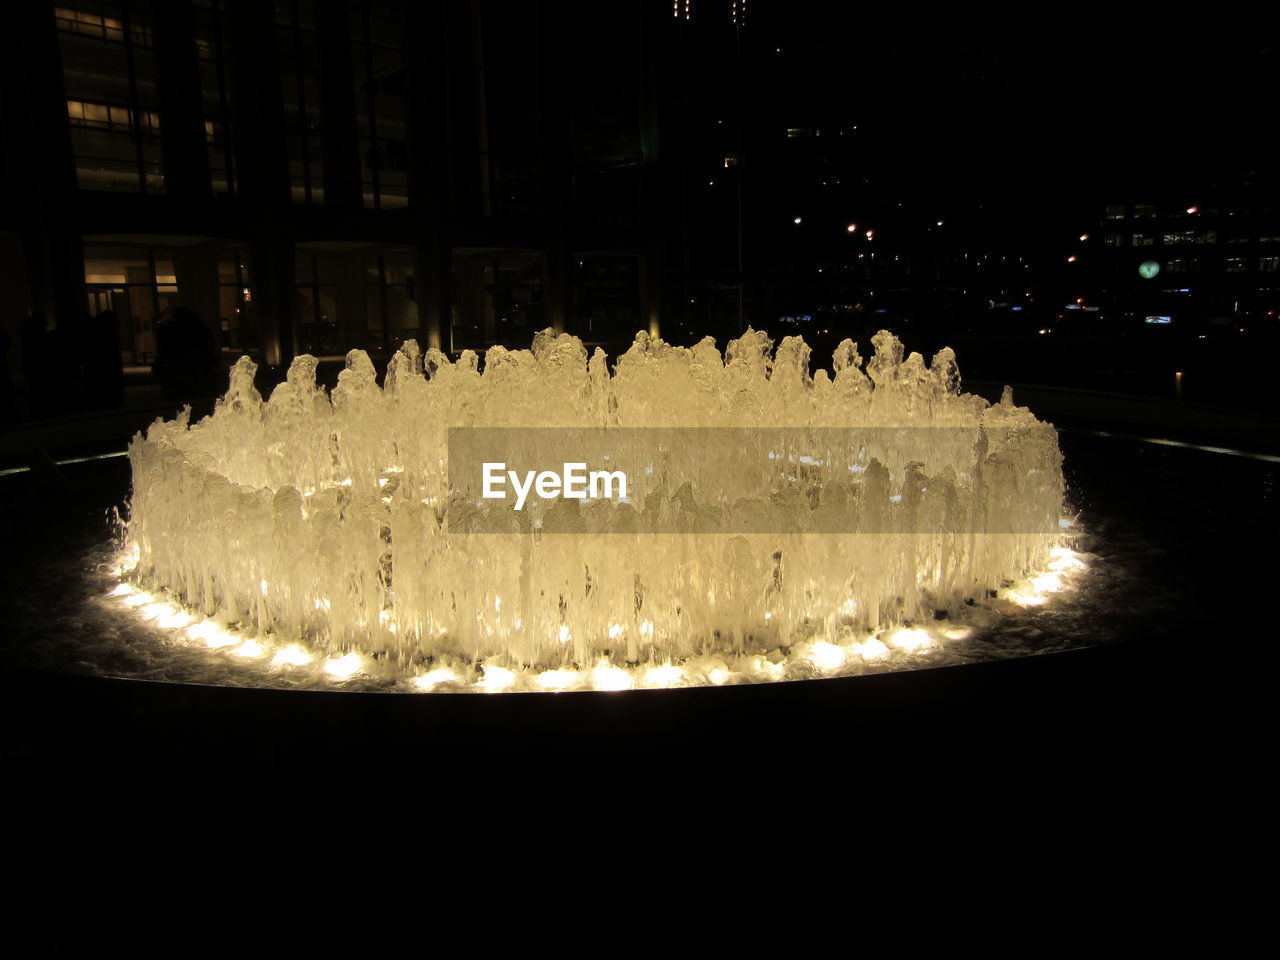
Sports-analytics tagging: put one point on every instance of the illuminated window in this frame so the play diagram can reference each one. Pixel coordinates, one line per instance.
(1143, 240)
(1269, 264)
(1115, 211)
(1236, 265)
(730, 160)
(99, 27)
(1144, 210)
(1113, 239)
(85, 114)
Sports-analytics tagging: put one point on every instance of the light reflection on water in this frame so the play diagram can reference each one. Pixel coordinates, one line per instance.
(106, 631)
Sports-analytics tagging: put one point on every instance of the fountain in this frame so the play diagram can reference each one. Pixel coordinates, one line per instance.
(776, 525)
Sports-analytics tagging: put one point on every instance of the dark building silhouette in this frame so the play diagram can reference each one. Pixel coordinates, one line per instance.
(321, 175)
(317, 175)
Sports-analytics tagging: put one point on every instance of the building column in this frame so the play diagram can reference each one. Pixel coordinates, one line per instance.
(353, 300)
(38, 138)
(430, 174)
(652, 24)
(265, 192)
(142, 311)
(196, 270)
(433, 281)
(340, 133)
(183, 143)
(555, 173)
(474, 310)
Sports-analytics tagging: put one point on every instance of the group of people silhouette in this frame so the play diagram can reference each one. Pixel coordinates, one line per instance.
(76, 365)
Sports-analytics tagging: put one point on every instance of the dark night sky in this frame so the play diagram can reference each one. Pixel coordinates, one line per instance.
(1060, 107)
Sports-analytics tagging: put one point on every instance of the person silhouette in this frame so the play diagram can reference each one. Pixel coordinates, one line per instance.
(186, 359)
(36, 365)
(103, 369)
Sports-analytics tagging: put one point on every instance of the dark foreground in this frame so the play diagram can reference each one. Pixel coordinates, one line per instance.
(1148, 753)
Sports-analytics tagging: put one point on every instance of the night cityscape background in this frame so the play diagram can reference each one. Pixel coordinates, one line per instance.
(1088, 206)
(1083, 202)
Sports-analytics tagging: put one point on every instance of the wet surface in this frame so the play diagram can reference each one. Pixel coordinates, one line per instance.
(1173, 538)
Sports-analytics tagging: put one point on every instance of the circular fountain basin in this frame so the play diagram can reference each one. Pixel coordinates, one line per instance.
(1160, 553)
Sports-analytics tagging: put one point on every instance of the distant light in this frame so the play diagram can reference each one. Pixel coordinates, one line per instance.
(796, 220)
(1043, 331)
(1159, 320)
(1084, 237)
(1079, 299)
(1072, 259)
(852, 227)
(1193, 209)
(939, 223)
(870, 233)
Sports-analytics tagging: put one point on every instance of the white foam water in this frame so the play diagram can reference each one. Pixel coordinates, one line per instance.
(321, 521)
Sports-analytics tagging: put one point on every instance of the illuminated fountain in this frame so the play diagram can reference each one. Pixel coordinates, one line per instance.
(811, 524)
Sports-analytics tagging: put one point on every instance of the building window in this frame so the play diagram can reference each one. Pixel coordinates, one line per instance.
(1144, 240)
(1269, 264)
(1114, 240)
(1115, 211)
(1236, 265)
(99, 27)
(1184, 265)
(1144, 210)
(114, 119)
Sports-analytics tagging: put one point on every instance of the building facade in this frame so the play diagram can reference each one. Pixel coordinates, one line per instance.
(320, 175)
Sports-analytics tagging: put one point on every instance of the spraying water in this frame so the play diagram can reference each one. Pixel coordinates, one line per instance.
(818, 508)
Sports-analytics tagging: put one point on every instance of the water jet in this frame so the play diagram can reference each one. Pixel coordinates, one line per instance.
(781, 525)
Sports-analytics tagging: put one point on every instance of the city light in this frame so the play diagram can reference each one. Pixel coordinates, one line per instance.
(1193, 209)
(1072, 259)
(1084, 237)
(852, 228)
(796, 220)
